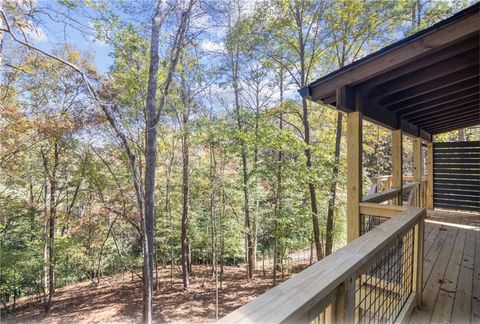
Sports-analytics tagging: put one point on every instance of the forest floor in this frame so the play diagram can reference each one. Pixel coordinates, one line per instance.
(118, 298)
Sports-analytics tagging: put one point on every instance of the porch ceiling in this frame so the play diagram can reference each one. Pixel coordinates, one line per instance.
(425, 84)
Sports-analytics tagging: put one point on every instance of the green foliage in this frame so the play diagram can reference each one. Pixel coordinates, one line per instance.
(45, 104)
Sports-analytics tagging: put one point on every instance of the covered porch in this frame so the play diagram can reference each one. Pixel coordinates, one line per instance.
(401, 263)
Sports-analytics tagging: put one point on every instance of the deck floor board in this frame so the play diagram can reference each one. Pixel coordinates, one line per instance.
(451, 271)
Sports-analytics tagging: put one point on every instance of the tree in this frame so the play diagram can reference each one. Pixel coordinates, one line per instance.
(145, 196)
(292, 37)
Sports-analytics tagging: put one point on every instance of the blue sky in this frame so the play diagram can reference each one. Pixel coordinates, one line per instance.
(53, 34)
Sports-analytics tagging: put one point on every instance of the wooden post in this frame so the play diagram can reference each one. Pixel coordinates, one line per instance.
(345, 302)
(418, 259)
(397, 164)
(430, 175)
(417, 169)
(354, 174)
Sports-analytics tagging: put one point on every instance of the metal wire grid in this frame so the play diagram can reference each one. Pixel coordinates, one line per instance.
(383, 289)
(368, 222)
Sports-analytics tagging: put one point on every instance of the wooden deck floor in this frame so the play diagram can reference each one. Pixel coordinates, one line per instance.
(451, 269)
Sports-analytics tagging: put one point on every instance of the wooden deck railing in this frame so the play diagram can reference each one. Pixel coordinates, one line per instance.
(418, 190)
(376, 277)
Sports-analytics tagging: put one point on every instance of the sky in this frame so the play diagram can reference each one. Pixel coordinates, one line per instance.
(50, 34)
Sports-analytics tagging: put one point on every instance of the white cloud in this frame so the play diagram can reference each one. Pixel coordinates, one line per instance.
(208, 45)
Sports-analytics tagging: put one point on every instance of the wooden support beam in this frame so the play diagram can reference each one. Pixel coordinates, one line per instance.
(381, 116)
(430, 175)
(418, 242)
(397, 164)
(345, 302)
(354, 173)
(409, 128)
(345, 99)
(417, 167)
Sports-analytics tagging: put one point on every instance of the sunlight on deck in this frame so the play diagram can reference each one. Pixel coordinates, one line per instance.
(451, 271)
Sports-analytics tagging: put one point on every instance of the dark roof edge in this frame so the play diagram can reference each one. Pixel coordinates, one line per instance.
(465, 12)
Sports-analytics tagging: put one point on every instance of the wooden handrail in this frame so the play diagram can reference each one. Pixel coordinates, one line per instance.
(381, 196)
(304, 296)
(410, 186)
(388, 194)
(367, 208)
(386, 177)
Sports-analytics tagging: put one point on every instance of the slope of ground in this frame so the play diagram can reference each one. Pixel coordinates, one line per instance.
(118, 299)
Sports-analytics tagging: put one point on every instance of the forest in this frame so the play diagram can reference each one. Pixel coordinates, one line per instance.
(160, 147)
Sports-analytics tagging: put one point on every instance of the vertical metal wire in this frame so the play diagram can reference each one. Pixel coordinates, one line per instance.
(384, 287)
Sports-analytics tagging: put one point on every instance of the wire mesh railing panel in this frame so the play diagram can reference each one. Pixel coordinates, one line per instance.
(368, 222)
(383, 288)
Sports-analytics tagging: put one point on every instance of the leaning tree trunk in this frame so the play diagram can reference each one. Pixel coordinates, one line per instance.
(333, 187)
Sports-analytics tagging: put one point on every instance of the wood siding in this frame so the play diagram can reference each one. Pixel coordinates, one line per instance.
(457, 175)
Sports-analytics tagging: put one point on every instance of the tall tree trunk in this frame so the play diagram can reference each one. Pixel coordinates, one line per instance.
(243, 153)
(1, 37)
(278, 198)
(51, 227)
(213, 220)
(461, 135)
(45, 234)
(168, 211)
(150, 165)
(246, 207)
(186, 206)
(311, 185)
(306, 125)
(333, 187)
(32, 212)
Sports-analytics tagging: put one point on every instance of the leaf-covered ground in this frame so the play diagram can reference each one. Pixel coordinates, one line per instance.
(118, 299)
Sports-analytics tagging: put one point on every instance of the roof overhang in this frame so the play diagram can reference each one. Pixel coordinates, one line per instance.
(425, 84)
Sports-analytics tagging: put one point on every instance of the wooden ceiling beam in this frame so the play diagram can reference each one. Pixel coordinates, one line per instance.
(468, 93)
(447, 118)
(447, 114)
(444, 111)
(450, 128)
(449, 91)
(422, 70)
(391, 57)
(426, 87)
(462, 101)
(380, 116)
(345, 99)
(469, 119)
